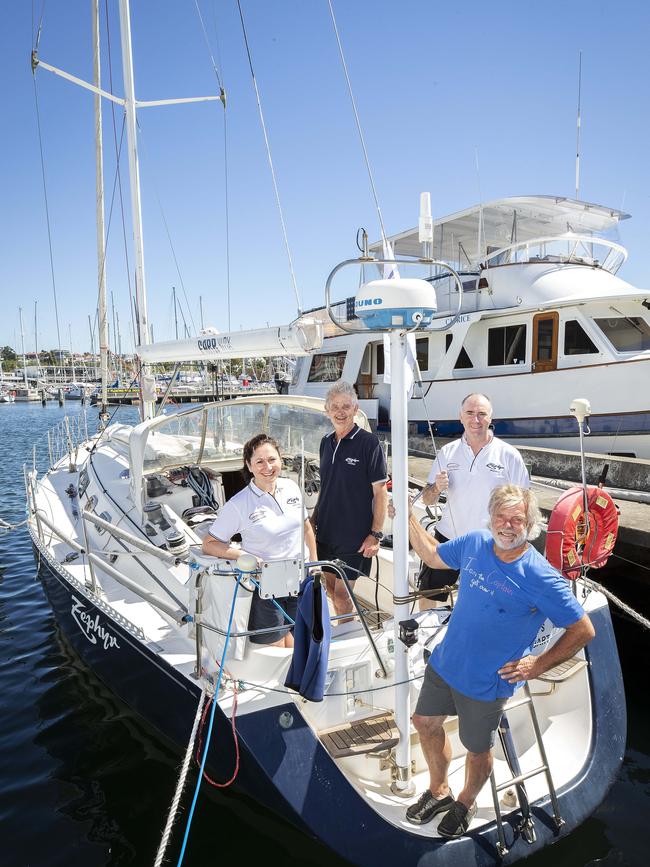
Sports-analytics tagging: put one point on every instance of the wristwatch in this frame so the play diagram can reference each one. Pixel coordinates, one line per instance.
(377, 534)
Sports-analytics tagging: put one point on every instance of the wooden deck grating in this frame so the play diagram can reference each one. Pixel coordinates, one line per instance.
(363, 736)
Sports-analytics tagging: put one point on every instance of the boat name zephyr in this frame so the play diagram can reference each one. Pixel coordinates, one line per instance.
(90, 626)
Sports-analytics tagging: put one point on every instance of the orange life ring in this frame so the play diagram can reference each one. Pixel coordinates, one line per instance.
(572, 542)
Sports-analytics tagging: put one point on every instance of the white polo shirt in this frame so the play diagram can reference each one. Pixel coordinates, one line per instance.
(269, 525)
(472, 478)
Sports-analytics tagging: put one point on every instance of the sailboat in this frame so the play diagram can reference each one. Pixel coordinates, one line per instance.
(117, 521)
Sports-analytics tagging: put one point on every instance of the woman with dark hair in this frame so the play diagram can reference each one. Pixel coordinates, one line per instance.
(267, 513)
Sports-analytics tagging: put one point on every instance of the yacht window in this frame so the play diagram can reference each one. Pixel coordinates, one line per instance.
(463, 362)
(576, 339)
(327, 367)
(422, 352)
(626, 333)
(506, 345)
(379, 363)
(366, 360)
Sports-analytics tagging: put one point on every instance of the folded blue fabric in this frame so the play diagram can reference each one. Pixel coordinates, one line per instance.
(311, 635)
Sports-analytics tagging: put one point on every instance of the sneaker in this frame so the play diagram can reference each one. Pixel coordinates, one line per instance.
(426, 807)
(456, 822)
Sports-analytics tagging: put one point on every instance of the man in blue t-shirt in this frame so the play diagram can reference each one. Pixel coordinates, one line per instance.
(506, 591)
(353, 498)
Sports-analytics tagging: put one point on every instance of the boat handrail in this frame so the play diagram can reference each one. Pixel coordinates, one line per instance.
(332, 565)
(118, 533)
(522, 252)
(66, 436)
(179, 615)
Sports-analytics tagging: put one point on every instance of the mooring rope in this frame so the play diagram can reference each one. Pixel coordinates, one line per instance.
(173, 809)
(640, 619)
(7, 527)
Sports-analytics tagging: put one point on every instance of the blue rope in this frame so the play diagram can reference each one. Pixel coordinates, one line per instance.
(209, 733)
(277, 604)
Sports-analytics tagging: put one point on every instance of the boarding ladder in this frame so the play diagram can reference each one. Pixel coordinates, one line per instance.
(554, 676)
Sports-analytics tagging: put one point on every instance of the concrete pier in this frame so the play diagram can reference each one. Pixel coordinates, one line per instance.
(632, 549)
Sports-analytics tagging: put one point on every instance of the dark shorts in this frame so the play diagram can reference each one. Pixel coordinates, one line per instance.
(431, 579)
(264, 614)
(478, 721)
(355, 561)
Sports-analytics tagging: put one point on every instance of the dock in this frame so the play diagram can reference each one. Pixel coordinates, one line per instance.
(625, 476)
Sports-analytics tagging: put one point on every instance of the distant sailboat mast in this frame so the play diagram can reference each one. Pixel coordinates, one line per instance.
(22, 342)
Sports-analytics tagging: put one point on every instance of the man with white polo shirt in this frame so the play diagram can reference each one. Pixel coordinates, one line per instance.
(468, 469)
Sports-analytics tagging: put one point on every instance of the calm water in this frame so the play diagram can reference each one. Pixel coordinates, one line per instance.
(84, 782)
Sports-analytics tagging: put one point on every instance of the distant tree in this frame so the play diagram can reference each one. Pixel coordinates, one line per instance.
(7, 353)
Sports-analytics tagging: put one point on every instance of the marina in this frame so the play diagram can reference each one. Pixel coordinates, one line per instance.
(188, 503)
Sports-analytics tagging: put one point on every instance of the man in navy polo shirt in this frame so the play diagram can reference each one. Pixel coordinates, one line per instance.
(353, 498)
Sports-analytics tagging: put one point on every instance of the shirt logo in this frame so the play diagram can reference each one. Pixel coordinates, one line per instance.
(291, 501)
(453, 466)
(495, 468)
(352, 462)
(256, 516)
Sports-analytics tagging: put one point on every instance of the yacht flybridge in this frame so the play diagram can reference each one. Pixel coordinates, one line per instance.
(542, 315)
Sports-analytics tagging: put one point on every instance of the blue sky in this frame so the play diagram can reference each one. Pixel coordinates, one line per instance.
(434, 83)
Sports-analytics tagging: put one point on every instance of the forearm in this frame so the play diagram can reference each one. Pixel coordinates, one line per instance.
(573, 640)
(424, 545)
(379, 506)
(216, 548)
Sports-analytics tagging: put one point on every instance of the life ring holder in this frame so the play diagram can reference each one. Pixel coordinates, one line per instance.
(574, 540)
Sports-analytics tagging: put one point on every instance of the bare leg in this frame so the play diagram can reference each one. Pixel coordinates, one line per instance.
(478, 767)
(437, 751)
(338, 594)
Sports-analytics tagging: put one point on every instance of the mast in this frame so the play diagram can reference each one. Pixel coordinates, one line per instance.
(92, 346)
(22, 342)
(74, 372)
(99, 211)
(578, 128)
(175, 312)
(142, 322)
(119, 342)
(36, 331)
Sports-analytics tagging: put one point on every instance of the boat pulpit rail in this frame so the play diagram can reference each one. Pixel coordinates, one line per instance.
(65, 438)
(566, 249)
